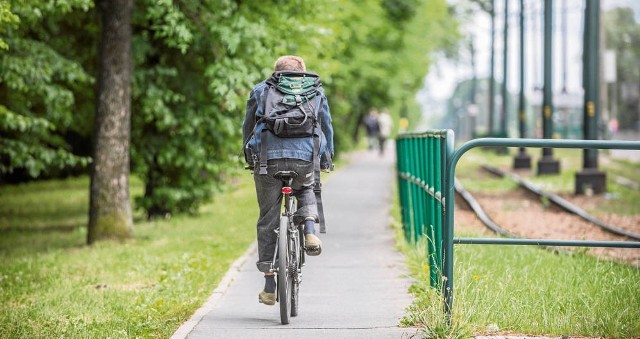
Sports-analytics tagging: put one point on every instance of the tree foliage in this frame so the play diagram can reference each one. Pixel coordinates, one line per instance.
(195, 62)
(622, 34)
(38, 87)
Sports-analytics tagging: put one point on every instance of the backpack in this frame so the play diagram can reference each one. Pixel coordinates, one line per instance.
(292, 102)
(290, 110)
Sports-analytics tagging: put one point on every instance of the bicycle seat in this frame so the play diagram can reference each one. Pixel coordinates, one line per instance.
(285, 175)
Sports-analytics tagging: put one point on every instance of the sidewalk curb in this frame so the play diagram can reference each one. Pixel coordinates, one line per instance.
(186, 328)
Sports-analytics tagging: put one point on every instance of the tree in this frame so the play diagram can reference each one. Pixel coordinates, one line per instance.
(39, 84)
(7, 20)
(110, 208)
(195, 64)
(377, 54)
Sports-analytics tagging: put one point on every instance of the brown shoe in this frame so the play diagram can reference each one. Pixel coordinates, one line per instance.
(312, 244)
(267, 298)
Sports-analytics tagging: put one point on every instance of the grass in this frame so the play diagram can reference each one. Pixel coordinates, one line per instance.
(526, 290)
(529, 291)
(53, 285)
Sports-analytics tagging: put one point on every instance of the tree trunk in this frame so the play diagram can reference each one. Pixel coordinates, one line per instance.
(110, 208)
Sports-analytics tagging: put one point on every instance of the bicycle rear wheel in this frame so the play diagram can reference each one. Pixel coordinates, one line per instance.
(284, 278)
(295, 270)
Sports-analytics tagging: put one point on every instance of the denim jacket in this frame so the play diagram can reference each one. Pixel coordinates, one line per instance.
(278, 148)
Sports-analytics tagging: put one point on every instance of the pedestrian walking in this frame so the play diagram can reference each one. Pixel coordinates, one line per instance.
(372, 127)
(385, 125)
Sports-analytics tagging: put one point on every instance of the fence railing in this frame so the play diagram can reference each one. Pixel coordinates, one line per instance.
(426, 172)
(422, 160)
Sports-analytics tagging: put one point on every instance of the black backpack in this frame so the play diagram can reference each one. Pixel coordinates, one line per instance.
(292, 103)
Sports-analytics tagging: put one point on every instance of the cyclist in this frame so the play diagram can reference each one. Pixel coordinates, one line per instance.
(284, 154)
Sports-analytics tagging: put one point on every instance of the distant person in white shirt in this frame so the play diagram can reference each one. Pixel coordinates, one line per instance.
(385, 124)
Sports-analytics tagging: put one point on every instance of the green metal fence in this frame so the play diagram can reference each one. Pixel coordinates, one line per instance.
(448, 225)
(422, 160)
(426, 172)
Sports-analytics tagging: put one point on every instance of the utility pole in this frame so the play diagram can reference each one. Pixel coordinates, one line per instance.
(547, 164)
(492, 88)
(590, 180)
(505, 75)
(522, 160)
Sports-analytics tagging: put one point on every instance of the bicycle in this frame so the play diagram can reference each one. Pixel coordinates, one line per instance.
(289, 256)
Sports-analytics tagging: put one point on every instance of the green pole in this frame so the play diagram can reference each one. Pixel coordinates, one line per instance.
(521, 103)
(447, 232)
(402, 192)
(440, 168)
(414, 208)
(422, 199)
(505, 77)
(590, 177)
(492, 81)
(431, 225)
(547, 165)
(522, 159)
(547, 100)
(591, 80)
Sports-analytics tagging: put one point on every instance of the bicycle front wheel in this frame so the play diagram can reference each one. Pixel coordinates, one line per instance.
(284, 277)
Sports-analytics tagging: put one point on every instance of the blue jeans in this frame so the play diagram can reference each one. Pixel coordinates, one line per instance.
(270, 202)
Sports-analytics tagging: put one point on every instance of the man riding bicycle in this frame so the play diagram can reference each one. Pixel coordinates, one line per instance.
(267, 154)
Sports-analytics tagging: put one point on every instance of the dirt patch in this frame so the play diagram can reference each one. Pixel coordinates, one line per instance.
(529, 217)
(590, 203)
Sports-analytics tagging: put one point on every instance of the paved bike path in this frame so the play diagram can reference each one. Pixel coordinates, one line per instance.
(356, 288)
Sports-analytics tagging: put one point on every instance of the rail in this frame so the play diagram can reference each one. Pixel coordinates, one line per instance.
(422, 160)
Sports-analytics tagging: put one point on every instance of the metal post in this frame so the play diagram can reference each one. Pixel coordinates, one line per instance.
(522, 159)
(564, 46)
(491, 70)
(431, 154)
(547, 164)
(447, 231)
(590, 180)
(505, 64)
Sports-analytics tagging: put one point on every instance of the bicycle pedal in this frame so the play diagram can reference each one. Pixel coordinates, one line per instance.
(313, 251)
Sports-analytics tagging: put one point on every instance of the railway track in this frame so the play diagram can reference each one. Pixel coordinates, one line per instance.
(562, 203)
(577, 219)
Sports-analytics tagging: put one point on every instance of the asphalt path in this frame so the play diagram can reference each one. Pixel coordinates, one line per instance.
(357, 287)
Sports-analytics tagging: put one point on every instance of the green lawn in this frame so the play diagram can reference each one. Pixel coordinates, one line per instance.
(527, 290)
(53, 285)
